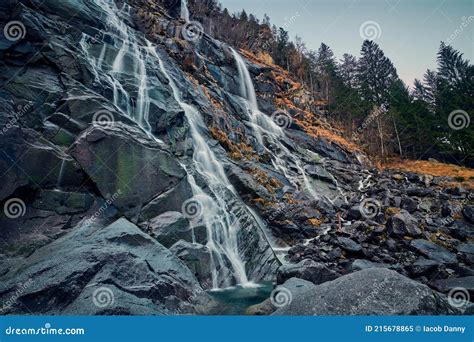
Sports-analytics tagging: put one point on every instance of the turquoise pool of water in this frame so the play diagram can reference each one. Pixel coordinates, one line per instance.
(236, 299)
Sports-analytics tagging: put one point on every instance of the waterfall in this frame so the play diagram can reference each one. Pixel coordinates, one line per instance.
(260, 122)
(61, 175)
(263, 126)
(124, 67)
(217, 211)
(247, 89)
(184, 10)
(127, 68)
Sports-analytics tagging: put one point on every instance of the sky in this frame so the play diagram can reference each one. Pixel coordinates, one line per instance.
(408, 31)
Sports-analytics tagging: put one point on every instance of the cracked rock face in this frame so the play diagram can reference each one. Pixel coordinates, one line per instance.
(102, 270)
(122, 161)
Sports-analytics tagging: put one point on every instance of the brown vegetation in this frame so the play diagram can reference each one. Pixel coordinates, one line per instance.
(463, 176)
(264, 179)
(237, 151)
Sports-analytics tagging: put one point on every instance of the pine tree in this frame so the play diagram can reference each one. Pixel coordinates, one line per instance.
(325, 64)
(243, 16)
(376, 74)
(377, 77)
(266, 20)
(430, 89)
(326, 70)
(281, 48)
(454, 106)
(348, 70)
(452, 68)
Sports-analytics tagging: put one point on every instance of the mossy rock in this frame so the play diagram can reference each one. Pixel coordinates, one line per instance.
(126, 165)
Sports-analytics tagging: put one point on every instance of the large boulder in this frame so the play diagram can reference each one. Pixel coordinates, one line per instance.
(308, 269)
(43, 216)
(122, 161)
(116, 269)
(197, 258)
(172, 226)
(374, 291)
(403, 224)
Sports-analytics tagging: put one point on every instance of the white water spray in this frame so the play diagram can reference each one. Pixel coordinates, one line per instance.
(128, 67)
(265, 127)
(61, 175)
(222, 225)
(184, 10)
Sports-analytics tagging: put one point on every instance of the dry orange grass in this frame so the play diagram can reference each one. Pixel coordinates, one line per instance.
(315, 222)
(330, 135)
(464, 175)
(261, 59)
(237, 151)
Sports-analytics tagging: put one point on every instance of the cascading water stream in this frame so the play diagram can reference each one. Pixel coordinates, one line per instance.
(222, 226)
(263, 126)
(184, 10)
(61, 175)
(121, 70)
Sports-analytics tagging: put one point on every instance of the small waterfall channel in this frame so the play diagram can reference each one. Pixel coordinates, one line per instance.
(184, 10)
(265, 128)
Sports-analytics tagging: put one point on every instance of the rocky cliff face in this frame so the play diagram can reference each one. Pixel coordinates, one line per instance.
(145, 162)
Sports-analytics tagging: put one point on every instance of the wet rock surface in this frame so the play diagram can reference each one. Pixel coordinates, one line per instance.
(375, 291)
(122, 161)
(103, 270)
(308, 270)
